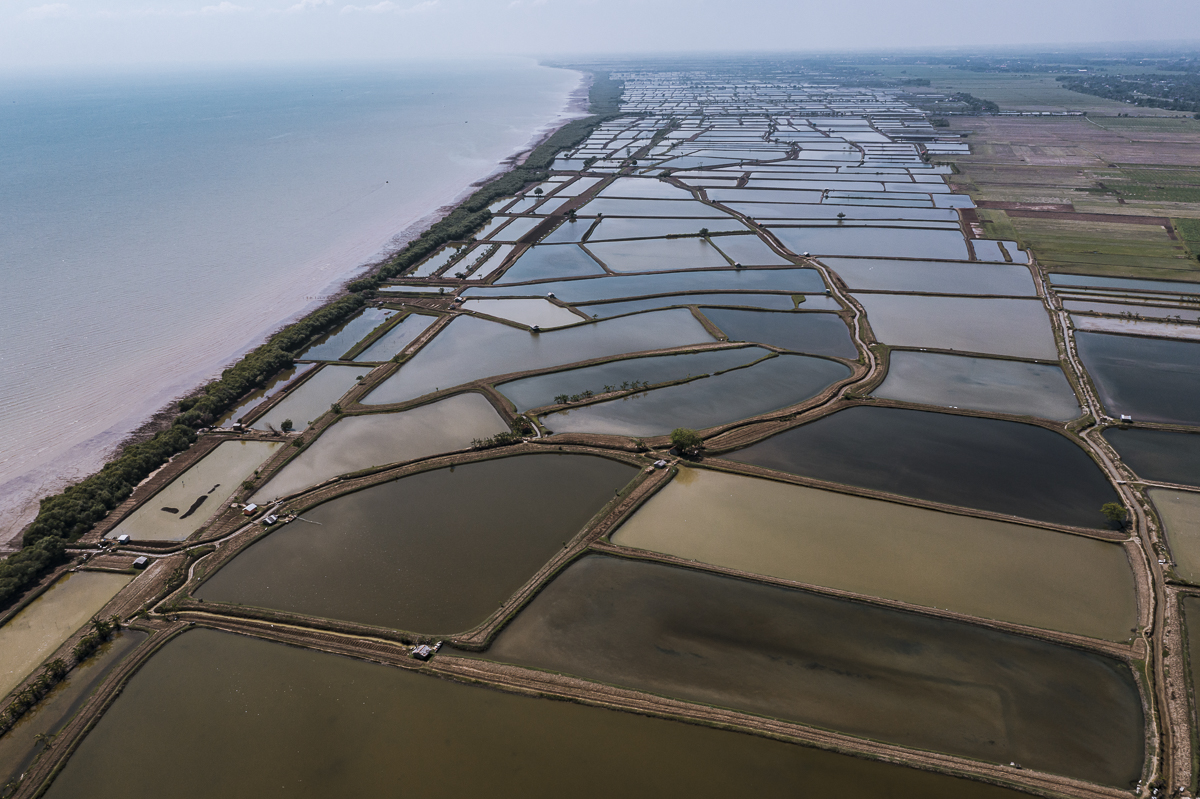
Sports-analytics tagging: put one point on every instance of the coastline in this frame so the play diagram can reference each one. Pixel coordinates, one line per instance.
(20, 495)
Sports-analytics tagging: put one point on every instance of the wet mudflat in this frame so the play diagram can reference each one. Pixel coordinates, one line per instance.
(470, 349)
(361, 442)
(1020, 328)
(979, 567)
(1153, 380)
(860, 669)
(1005, 467)
(1180, 514)
(812, 333)
(307, 402)
(365, 730)
(729, 397)
(534, 392)
(981, 384)
(40, 627)
(193, 497)
(436, 552)
(1158, 454)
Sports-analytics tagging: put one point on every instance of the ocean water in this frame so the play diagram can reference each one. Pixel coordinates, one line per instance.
(154, 227)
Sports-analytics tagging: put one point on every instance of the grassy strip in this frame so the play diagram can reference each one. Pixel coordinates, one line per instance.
(68, 515)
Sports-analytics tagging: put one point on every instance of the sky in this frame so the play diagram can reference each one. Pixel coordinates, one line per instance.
(64, 33)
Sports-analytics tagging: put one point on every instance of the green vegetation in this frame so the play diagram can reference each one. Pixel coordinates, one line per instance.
(24, 567)
(286, 425)
(627, 385)
(498, 440)
(1188, 231)
(1115, 513)
(52, 674)
(686, 440)
(102, 631)
(1178, 92)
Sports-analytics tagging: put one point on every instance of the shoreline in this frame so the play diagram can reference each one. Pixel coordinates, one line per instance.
(25, 491)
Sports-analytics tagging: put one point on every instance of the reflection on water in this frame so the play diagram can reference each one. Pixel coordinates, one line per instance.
(1158, 454)
(1153, 380)
(813, 333)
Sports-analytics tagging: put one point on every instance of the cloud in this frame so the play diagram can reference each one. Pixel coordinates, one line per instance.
(307, 5)
(388, 7)
(224, 7)
(47, 11)
(515, 4)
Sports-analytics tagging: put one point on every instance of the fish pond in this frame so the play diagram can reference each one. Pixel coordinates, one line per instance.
(400, 336)
(812, 333)
(860, 669)
(1153, 380)
(435, 552)
(877, 242)
(774, 302)
(1019, 328)
(799, 281)
(658, 255)
(933, 277)
(552, 261)
(1005, 467)
(272, 387)
(355, 443)
(339, 342)
(307, 402)
(991, 569)
(1162, 455)
(233, 702)
(1180, 514)
(531, 312)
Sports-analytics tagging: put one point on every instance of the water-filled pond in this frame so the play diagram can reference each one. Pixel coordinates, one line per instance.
(193, 497)
(739, 394)
(774, 302)
(436, 552)
(982, 384)
(365, 729)
(471, 348)
(1006, 467)
(879, 242)
(1180, 514)
(525, 311)
(861, 669)
(354, 443)
(613, 228)
(607, 206)
(400, 336)
(939, 278)
(979, 567)
(618, 287)
(644, 188)
(1166, 286)
(658, 255)
(1020, 328)
(336, 344)
(546, 262)
(534, 392)
(40, 627)
(270, 389)
(308, 401)
(813, 333)
(1153, 380)
(1158, 454)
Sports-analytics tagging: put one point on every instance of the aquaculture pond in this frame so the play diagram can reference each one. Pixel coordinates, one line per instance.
(1005, 467)
(273, 387)
(861, 669)
(800, 281)
(981, 384)
(1158, 454)
(355, 443)
(534, 392)
(658, 255)
(979, 567)
(366, 729)
(644, 188)
(813, 333)
(616, 228)
(1020, 328)
(338, 343)
(193, 497)
(436, 552)
(728, 397)
(878, 242)
(529, 312)
(20, 746)
(749, 251)
(1153, 380)
(607, 206)
(308, 401)
(773, 302)
(547, 262)
(400, 336)
(929, 276)
(44, 624)
(470, 348)
(1180, 514)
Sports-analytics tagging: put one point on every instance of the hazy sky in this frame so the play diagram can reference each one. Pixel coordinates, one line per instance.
(35, 33)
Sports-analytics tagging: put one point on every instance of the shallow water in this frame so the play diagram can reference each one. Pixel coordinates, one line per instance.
(749, 251)
(979, 567)
(1020, 328)
(400, 336)
(1006, 467)
(1167, 286)
(307, 402)
(940, 278)
(272, 387)
(1180, 514)
(774, 302)
(880, 242)
(366, 729)
(470, 349)
(435, 552)
(1158, 454)
(1152, 380)
(193, 497)
(799, 281)
(611, 229)
(812, 333)
(40, 627)
(644, 188)
(340, 341)
(355, 443)
(526, 312)
(608, 207)
(767, 386)
(534, 392)
(658, 255)
(982, 384)
(548, 262)
(864, 670)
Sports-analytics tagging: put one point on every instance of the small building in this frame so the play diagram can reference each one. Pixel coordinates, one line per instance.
(1126, 418)
(123, 539)
(140, 562)
(270, 519)
(660, 464)
(250, 509)
(422, 652)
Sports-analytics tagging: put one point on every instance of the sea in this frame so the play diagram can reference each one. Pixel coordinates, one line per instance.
(154, 225)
